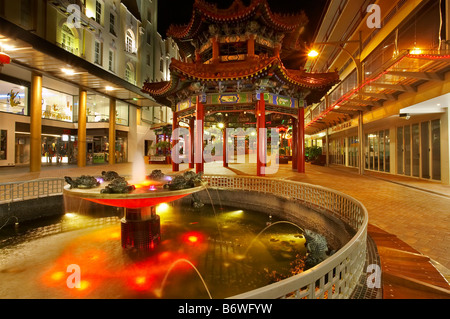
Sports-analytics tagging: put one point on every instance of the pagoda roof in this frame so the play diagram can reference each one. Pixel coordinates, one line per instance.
(183, 73)
(207, 13)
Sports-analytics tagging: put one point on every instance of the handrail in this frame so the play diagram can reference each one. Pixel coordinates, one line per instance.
(25, 190)
(338, 275)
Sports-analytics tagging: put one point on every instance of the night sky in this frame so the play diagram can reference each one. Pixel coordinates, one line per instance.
(179, 11)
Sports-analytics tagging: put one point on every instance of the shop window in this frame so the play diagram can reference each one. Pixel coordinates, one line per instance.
(97, 109)
(13, 98)
(57, 105)
(122, 113)
(419, 150)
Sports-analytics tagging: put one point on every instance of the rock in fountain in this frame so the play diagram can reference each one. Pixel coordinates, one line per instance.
(187, 180)
(118, 186)
(82, 182)
(156, 175)
(109, 175)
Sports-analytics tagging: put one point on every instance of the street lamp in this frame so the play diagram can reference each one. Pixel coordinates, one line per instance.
(357, 61)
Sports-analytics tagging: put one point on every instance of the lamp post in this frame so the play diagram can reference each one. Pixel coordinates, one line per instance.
(359, 75)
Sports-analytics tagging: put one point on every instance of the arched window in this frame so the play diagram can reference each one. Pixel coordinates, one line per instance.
(129, 42)
(67, 39)
(129, 73)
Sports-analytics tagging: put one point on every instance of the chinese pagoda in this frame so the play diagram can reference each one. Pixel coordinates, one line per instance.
(241, 66)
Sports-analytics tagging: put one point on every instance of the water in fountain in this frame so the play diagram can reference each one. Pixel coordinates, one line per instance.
(189, 234)
(267, 227)
(138, 171)
(160, 290)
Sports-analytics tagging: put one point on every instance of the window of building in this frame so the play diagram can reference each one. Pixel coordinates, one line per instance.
(418, 150)
(129, 42)
(148, 59)
(377, 151)
(57, 105)
(112, 23)
(129, 73)
(111, 60)
(98, 52)
(67, 39)
(97, 109)
(98, 12)
(161, 65)
(122, 113)
(13, 98)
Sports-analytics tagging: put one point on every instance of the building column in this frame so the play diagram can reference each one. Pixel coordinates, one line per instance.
(192, 142)
(199, 136)
(261, 148)
(112, 131)
(251, 45)
(36, 123)
(215, 48)
(224, 145)
(301, 141)
(175, 166)
(294, 144)
(81, 158)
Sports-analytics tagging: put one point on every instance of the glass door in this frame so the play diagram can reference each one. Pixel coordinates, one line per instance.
(436, 149)
(381, 138)
(415, 150)
(407, 150)
(425, 149)
(400, 150)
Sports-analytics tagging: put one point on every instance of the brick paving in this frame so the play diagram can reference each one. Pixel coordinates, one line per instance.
(416, 212)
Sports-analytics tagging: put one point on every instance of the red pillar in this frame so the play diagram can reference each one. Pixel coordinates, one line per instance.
(191, 144)
(199, 137)
(224, 146)
(175, 166)
(294, 144)
(301, 140)
(261, 147)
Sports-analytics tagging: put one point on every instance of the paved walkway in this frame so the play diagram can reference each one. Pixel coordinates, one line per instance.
(416, 212)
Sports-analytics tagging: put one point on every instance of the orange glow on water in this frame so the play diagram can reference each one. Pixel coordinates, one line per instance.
(57, 276)
(99, 267)
(193, 239)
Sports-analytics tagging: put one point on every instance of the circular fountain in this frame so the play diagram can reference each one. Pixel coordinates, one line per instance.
(140, 226)
(254, 234)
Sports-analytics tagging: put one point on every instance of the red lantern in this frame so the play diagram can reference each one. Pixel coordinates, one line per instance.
(4, 58)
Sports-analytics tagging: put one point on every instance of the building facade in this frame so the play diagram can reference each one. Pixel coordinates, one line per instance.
(390, 111)
(83, 59)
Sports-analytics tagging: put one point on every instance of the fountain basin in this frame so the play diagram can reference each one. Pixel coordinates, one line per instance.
(138, 198)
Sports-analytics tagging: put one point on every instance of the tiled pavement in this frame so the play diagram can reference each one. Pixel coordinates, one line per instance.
(413, 214)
